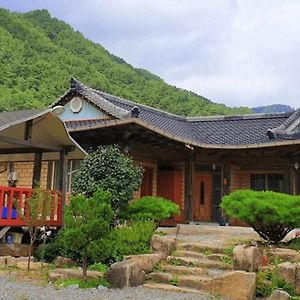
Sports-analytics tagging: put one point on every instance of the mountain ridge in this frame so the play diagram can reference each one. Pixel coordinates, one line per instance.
(39, 54)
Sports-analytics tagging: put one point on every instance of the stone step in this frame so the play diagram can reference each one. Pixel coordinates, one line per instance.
(184, 270)
(201, 247)
(196, 262)
(175, 289)
(185, 253)
(200, 282)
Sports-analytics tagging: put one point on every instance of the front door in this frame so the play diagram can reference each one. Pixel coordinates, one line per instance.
(202, 198)
(147, 183)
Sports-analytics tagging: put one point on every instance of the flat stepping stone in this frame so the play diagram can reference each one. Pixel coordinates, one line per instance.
(201, 247)
(190, 281)
(186, 253)
(184, 270)
(203, 263)
(172, 288)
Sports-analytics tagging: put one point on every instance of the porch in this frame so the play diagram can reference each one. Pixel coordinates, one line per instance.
(14, 205)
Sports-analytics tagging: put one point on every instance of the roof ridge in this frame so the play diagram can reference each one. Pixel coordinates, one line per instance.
(126, 101)
(238, 117)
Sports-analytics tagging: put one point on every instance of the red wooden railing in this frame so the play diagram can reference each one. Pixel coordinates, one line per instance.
(13, 204)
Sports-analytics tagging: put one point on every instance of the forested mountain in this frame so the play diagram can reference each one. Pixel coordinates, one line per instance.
(274, 108)
(39, 54)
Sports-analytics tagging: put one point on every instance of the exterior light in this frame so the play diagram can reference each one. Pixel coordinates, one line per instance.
(296, 166)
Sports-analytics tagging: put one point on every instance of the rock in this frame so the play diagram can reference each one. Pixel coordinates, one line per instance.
(246, 258)
(147, 262)
(236, 285)
(286, 254)
(14, 249)
(33, 265)
(72, 273)
(291, 273)
(163, 244)
(101, 287)
(62, 262)
(8, 261)
(73, 287)
(297, 283)
(279, 295)
(125, 274)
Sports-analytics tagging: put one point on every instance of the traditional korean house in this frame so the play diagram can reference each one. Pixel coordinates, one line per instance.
(192, 160)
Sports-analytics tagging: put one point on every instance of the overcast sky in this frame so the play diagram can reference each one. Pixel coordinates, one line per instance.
(237, 52)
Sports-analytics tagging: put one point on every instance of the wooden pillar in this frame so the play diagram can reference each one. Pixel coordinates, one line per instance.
(189, 185)
(37, 167)
(61, 182)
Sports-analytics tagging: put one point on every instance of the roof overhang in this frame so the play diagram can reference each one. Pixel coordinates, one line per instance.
(166, 134)
(48, 134)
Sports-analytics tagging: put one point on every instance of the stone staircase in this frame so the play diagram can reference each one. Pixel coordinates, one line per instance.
(191, 268)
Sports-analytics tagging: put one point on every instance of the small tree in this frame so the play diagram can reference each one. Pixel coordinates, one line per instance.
(36, 214)
(272, 215)
(151, 208)
(87, 221)
(109, 169)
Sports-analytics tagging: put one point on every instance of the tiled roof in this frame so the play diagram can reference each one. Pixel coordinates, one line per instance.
(220, 130)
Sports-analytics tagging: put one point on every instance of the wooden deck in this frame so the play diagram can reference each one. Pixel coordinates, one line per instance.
(13, 205)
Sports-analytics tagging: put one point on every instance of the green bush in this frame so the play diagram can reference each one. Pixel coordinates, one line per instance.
(151, 208)
(50, 251)
(108, 168)
(127, 239)
(272, 215)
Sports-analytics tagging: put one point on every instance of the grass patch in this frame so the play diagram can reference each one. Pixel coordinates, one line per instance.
(90, 283)
(229, 250)
(207, 252)
(161, 233)
(268, 281)
(176, 262)
(174, 281)
(98, 267)
(226, 260)
(159, 268)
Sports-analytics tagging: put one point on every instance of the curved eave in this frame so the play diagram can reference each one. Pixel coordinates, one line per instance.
(113, 123)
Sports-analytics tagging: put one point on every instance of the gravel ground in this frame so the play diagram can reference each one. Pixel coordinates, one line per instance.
(16, 290)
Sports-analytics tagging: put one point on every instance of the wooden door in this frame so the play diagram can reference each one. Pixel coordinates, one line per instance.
(147, 183)
(169, 186)
(202, 198)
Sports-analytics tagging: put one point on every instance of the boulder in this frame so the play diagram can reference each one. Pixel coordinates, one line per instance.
(246, 258)
(72, 274)
(14, 249)
(8, 261)
(146, 262)
(235, 285)
(62, 262)
(125, 274)
(279, 295)
(286, 254)
(163, 244)
(291, 273)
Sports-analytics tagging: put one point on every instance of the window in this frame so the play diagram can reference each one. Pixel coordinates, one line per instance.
(202, 193)
(271, 182)
(72, 167)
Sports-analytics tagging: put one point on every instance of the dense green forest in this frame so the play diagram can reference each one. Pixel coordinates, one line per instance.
(39, 54)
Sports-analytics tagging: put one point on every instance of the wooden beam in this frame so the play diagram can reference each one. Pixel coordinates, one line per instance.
(23, 150)
(28, 130)
(37, 167)
(27, 143)
(61, 180)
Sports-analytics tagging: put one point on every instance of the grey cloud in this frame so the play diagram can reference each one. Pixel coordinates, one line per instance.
(239, 52)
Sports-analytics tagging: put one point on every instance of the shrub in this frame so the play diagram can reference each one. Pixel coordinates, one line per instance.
(127, 239)
(151, 208)
(109, 169)
(272, 215)
(50, 251)
(87, 222)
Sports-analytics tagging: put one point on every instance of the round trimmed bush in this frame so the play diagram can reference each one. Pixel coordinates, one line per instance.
(272, 215)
